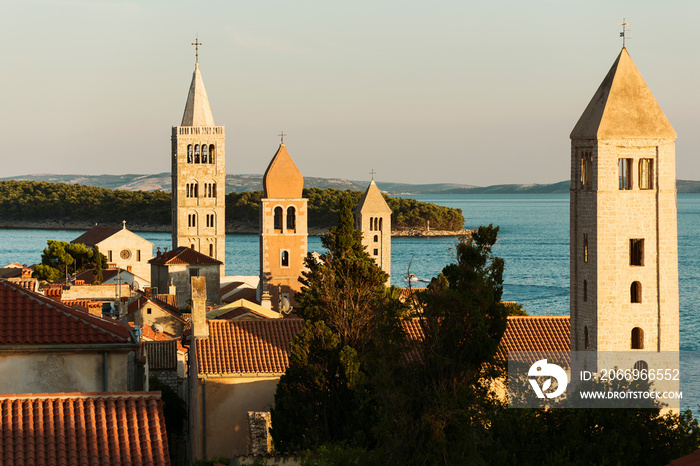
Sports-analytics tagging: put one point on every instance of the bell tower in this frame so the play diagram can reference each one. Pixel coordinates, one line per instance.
(199, 175)
(283, 230)
(623, 234)
(373, 220)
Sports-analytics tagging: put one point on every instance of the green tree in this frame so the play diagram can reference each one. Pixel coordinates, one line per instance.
(325, 395)
(437, 405)
(61, 257)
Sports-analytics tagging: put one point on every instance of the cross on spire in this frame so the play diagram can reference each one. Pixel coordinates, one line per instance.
(624, 25)
(196, 44)
(372, 172)
(282, 135)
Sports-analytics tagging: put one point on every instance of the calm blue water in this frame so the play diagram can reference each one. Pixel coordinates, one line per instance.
(533, 240)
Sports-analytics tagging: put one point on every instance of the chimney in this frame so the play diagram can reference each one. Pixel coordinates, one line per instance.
(199, 307)
(26, 272)
(148, 292)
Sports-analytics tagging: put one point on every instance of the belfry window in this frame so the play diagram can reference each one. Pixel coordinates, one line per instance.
(585, 247)
(637, 338)
(624, 170)
(371, 223)
(585, 290)
(284, 258)
(205, 153)
(213, 190)
(586, 170)
(291, 219)
(211, 250)
(636, 292)
(278, 218)
(585, 337)
(636, 252)
(196, 153)
(646, 174)
(376, 238)
(211, 153)
(380, 223)
(189, 153)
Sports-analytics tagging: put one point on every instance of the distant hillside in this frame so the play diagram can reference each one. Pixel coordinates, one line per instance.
(247, 183)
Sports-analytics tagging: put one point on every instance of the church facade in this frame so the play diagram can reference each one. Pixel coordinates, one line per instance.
(199, 177)
(623, 233)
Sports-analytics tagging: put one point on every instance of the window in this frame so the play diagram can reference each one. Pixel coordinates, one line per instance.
(641, 366)
(585, 247)
(637, 338)
(371, 223)
(138, 255)
(636, 252)
(213, 190)
(291, 219)
(191, 246)
(586, 170)
(210, 220)
(205, 153)
(211, 153)
(624, 170)
(211, 250)
(585, 290)
(278, 218)
(376, 238)
(376, 223)
(109, 256)
(194, 271)
(646, 174)
(284, 258)
(380, 223)
(636, 292)
(376, 252)
(148, 310)
(192, 220)
(196, 153)
(196, 190)
(189, 153)
(585, 337)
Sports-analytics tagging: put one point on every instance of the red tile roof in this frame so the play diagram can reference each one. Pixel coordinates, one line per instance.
(83, 429)
(692, 459)
(31, 318)
(95, 235)
(183, 255)
(246, 346)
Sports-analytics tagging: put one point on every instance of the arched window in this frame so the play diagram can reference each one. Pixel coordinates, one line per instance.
(196, 153)
(376, 238)
(585, 247)
(636, 292)
(211, 153)
(291, 219)
(380, 223)
(637, 338)
(278, 218)
(585, 337)
(376, 223)
(213, 190)
(585, 290)
(641, 366)
(192, 246)
(205, 153)
(196, 190)
(371, 223)
(284, 258)
(187, 189)
(211, 250)
(189, 153)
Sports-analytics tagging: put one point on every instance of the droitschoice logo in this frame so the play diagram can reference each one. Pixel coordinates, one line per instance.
(543, 369)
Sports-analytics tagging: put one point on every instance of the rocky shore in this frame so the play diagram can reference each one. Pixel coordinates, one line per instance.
(230, 228)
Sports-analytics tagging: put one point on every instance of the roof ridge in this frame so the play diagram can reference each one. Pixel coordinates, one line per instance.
(65, 395)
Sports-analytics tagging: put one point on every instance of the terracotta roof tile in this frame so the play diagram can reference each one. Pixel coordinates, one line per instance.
(183, 255)
(246, 346)
(95, 235)
(83, 428)
(161, 355)
(31, 318)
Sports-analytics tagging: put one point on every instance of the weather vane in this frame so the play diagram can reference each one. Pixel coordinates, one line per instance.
(196, 44)
(623, 34)
(282, 135)
(372, 172)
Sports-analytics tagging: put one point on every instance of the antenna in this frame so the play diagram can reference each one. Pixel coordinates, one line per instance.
(624, 32)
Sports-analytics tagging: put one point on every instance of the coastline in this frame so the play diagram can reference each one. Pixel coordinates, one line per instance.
(230, 229)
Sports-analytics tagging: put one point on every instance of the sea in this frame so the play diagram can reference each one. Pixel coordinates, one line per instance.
(533, 239)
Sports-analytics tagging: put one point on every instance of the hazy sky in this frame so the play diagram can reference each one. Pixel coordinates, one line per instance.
(472, 92)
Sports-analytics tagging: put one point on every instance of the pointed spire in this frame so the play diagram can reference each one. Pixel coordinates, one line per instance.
(373, 201)
(623, 107)
(282, 179)
(197, 110)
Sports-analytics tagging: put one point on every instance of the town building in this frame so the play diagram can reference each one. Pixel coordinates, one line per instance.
(122, 247)
(283, 232)
(373, 220)
(199, 177)
(623, 234)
